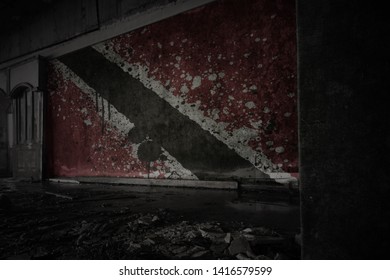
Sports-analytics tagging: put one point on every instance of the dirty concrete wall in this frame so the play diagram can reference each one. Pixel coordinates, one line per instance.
(344, 129)
(210, 93)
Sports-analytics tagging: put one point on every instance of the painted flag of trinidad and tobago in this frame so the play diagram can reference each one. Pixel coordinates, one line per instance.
(210, 93)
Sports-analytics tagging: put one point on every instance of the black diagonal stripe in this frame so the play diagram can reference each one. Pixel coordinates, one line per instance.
(195, 148)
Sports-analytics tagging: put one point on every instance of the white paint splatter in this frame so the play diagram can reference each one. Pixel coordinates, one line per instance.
(184, 89)
(250, 105)
(269, 143)
(88, 122)
(212, 77)
(197, 81)
(253, 87)
(291, 94)
(188, 77)
(279, 149)
(225, 110)
(257, 124)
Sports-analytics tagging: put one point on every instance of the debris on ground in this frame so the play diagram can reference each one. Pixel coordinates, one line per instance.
(47, 226)
(60, 195)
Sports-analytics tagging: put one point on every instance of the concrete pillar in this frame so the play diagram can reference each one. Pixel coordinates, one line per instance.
(344, 129)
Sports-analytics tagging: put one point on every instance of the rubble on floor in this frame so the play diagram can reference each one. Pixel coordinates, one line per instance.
(45, 226)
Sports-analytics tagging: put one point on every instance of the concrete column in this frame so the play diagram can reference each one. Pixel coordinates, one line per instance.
(344, 129)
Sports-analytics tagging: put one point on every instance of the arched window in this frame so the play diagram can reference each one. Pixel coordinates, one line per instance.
(26, 114)
(5, 122)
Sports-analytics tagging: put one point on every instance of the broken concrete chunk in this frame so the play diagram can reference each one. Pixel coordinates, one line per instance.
(251, 255)
(134, 246)
(247, 230)
(199, 254)
(147, 220)
(218, 248)
(191, 252)
(144, 221)
(242, 257)
(228, 238)
(249, 237)
(213, 236)
(148, 242)
(190, 235)
(239, 245)
(179, 250)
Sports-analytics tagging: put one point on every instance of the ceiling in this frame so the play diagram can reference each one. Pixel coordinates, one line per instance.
(14, 12)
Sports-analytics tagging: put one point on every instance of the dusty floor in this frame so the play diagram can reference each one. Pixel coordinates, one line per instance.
(63, 221)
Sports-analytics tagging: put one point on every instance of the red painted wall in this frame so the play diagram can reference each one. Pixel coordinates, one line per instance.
(229, 66)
